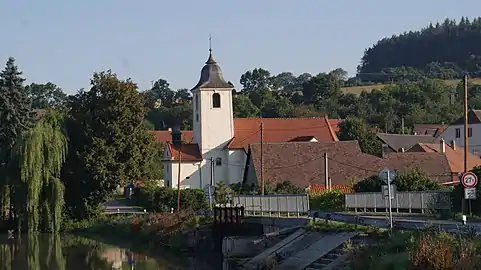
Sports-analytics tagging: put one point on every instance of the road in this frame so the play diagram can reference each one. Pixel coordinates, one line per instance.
(117, 207)
(398, 222)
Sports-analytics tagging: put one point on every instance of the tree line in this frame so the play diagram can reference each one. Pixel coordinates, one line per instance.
(286, 95)
(62, 164)
(444, 50)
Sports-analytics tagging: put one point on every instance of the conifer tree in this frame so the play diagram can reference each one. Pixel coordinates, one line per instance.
(15, 118)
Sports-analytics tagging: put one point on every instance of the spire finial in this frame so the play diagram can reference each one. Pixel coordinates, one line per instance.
(211, 60)
(210, 44)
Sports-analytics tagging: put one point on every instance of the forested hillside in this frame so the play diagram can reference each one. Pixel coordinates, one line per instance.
(415, 61)
(445, 50)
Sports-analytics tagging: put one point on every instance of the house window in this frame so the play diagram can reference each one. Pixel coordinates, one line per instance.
(196, 102)
(470, 132)
(458, 133)
(216, 100)
(218, 161)
(197, 117)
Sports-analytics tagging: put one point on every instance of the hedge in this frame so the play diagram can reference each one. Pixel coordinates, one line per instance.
(163, 199)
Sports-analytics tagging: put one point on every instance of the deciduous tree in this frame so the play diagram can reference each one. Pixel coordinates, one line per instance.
(109, 145)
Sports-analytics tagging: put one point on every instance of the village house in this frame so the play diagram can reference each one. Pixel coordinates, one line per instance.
(303, 163)
(392, 143)
(428, 129)
(450, 154)
(216, 149)
(455, 132)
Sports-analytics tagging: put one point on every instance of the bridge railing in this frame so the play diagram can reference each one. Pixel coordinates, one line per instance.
(412, 200)
(277, 204)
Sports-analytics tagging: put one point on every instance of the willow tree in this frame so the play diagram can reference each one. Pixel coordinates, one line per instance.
(41, 152)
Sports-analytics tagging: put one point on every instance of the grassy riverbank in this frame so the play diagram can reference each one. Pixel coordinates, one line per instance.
(173, 231)
(410, 249)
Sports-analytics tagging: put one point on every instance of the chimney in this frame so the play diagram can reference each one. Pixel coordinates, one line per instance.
(401, 150)
(442, 145)
(384, 150)
(453, 144)
(176, 135)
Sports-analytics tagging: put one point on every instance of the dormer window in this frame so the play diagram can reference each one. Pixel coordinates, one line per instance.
(216, 100)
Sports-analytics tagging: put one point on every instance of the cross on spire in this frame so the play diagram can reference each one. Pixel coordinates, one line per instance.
(210, 44)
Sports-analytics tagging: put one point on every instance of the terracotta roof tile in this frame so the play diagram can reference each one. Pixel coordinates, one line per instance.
(247, 130)
(455, 157)
(163, 136)
(335, 124)
(190, 152)
(302, 163)
(434, 165)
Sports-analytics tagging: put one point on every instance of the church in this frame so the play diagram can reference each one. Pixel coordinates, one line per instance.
(216, 149)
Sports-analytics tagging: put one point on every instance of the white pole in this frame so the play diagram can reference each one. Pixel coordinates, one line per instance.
(389, 198)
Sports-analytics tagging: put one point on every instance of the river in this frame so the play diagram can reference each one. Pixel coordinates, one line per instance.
(69, 252)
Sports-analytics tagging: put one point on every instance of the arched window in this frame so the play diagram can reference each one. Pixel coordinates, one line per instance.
(196, 102)
(218, 161)
(216, 100)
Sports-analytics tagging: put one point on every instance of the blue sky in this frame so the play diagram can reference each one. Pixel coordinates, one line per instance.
(66, 41)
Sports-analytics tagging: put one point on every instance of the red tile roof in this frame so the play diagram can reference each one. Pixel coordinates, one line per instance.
(190, 152)
(334, 123)
(302, 163)
(247, 130)
(163, 136)
(455, 157)
(434, 165)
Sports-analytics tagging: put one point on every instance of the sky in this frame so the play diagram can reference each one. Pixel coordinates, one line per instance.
(64, 42)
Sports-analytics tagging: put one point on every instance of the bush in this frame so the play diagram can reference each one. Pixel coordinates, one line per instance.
(327, 200)
(411, 179)
(163, 199)
(444, 251)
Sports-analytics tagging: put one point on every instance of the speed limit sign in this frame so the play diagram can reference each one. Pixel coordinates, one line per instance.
(469, 180)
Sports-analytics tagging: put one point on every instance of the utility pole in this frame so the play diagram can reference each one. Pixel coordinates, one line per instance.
(178, 180)
(466, 127)
(402, 125)
(326, 172)
(262, 158)
(212, 163)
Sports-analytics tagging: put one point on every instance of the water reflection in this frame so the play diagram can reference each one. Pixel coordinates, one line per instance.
(52, 252)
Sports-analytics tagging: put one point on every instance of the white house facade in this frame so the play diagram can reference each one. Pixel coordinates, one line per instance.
(455, 132)
(218, 149)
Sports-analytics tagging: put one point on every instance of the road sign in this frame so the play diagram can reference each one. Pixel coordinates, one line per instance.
(209, 193)
(387, 175)
(470, 193)
(469, 180)
(385, 191)
(209, 189)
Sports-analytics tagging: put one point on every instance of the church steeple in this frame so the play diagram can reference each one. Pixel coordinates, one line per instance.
(211, 74)
(212, 109)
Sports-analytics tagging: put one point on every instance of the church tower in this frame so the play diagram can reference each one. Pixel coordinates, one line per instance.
(213, 123)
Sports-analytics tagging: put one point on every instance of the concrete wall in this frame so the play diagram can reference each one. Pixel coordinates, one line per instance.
(277, 222)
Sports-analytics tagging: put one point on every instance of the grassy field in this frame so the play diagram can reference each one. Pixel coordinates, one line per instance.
(359, 89)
